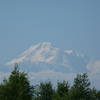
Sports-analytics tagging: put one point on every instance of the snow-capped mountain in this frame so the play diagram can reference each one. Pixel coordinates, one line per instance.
(44, 56)
(46, 62)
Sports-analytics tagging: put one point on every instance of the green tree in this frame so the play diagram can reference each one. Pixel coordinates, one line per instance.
(93, 94)
(17, 87)
(98, 95)
(62, 88)
(81, 88)
(46, 91)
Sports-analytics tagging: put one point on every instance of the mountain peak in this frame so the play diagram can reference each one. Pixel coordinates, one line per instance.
(42, 52)
(45, 44)
(45, 53)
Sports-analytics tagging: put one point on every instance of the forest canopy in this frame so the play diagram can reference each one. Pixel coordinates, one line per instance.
(18, 87)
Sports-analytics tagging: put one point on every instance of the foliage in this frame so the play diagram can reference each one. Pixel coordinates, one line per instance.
(62, 88)
(17, 87)
(81, 87)
(46, 91)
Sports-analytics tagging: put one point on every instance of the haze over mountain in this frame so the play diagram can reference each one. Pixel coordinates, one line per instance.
(44, 56)
(43, 62)
(72, 27)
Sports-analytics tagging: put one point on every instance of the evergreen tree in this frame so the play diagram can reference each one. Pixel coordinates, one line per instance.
(46, 91)
(17, 87)
(93, 94)
(98, 95)
(81, 88)
(62, 88)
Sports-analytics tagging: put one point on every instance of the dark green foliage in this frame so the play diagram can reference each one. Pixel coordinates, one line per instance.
(62, 88)
(93, 94)
(17, 87)
(81, 87)
(46, 91)
(98, 95)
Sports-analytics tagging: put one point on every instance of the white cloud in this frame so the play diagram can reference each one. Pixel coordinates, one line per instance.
(94, 73)
(94, 67)
(68, 51)
(51, 75)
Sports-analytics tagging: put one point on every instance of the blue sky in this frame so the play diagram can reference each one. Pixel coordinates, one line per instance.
(67, 24)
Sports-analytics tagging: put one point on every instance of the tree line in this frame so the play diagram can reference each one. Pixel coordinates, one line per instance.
(18, 87)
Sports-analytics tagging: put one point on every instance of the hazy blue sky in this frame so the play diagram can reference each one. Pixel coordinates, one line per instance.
(68, 24)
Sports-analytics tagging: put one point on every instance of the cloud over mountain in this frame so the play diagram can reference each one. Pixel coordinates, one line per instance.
(94, 67)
